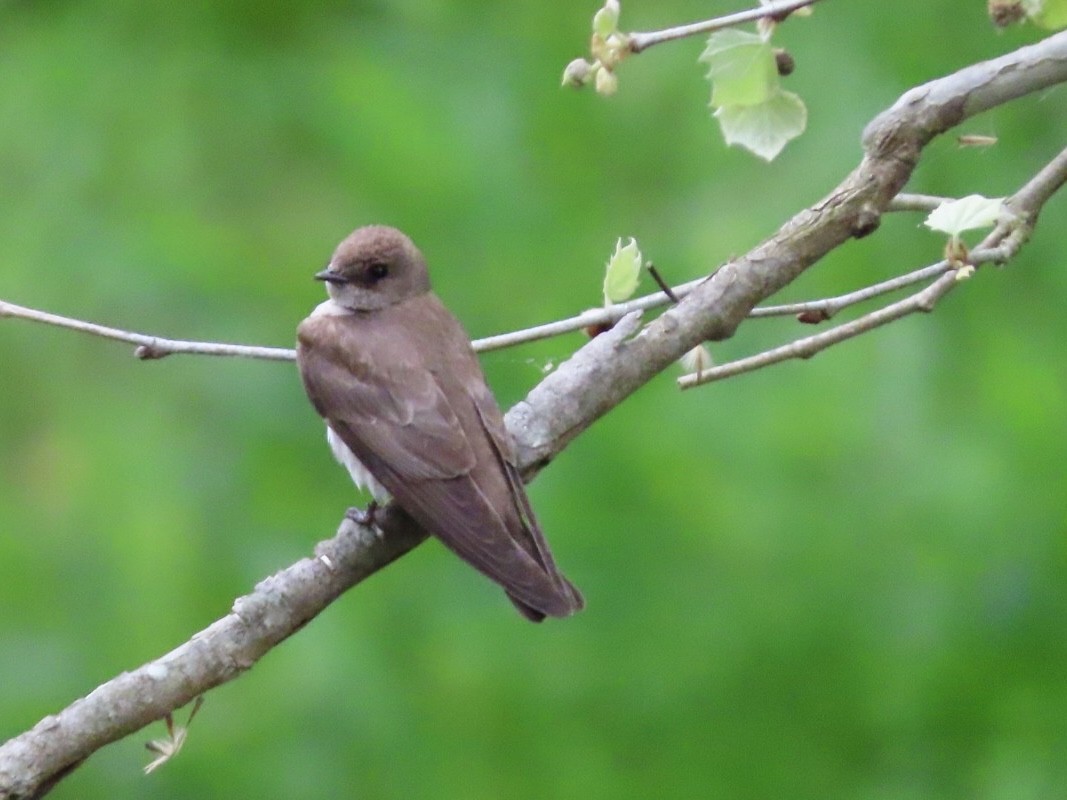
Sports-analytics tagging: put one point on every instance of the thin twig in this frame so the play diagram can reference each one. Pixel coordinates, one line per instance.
(152, 347)
(1001, 245)
(828, 307)
(924, 300)
(148, 347)
(642, 41)
(916, 202)
(662, 284)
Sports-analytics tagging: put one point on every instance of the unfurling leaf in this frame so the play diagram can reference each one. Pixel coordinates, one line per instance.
(966, 214)
(608, 44)
(741, 68)
(606, 20)
(622, 273)
(766, 128)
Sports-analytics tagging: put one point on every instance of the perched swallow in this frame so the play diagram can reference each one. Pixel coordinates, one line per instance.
(409, 414)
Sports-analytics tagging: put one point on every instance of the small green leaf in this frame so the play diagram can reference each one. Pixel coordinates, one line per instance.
(606, 20)
(966, 214)
(623, 271)
(1048, 14)
(766, 128)
(741, 68)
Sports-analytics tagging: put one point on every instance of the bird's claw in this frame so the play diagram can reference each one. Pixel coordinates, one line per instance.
(367, 517)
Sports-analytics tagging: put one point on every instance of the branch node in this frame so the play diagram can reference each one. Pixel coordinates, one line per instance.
(150, 352)
(814, 316)
(867, 221)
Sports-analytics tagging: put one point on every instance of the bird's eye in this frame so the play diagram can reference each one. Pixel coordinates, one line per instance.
(377, 270)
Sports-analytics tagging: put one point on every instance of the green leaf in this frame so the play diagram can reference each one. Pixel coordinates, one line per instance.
(623, 271)
(741, 68)
(966, 214)
(1048, 14)
(606, 20)
(766, 128)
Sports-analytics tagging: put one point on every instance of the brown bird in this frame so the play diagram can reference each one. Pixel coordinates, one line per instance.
(409, 414)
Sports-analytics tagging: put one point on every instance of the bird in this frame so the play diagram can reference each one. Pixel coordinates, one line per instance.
(409, 414)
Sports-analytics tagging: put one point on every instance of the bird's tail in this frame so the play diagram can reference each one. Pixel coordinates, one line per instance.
(573, 603)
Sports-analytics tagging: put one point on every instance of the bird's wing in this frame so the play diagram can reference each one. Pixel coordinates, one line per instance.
(492, 422)
(392, 414)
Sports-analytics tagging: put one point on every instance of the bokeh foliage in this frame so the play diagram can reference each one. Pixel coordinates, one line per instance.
(839, 578)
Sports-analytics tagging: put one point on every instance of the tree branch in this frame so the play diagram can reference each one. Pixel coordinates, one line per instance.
(916, 202)
(277, 607)
(924, 300)
(155, 347)
(779, 10)
(1002, 244)
(1028, 201)
(567, 401)
(599, 376)
(148, 347)
(826, 308)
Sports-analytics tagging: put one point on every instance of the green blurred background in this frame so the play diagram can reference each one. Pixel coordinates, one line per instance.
(842, 578)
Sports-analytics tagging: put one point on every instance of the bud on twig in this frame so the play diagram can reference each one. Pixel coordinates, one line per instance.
(578, 73)
(784, 61)
(1006, 12)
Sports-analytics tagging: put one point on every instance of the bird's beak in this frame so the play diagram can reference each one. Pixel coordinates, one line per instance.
(329, 276)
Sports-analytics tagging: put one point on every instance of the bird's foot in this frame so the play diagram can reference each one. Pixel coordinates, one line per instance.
(367, 517)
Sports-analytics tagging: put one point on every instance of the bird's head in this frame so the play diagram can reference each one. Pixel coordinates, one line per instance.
(375, 267)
